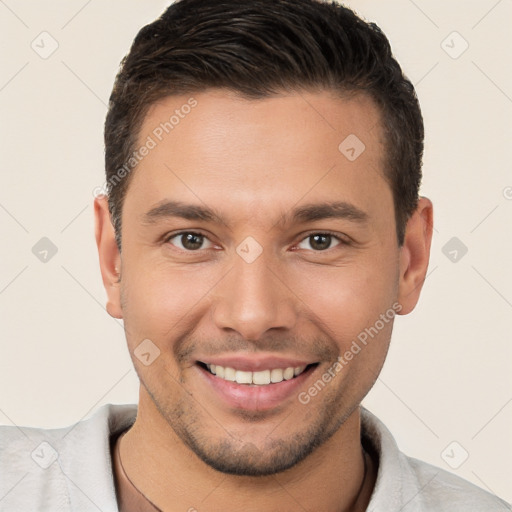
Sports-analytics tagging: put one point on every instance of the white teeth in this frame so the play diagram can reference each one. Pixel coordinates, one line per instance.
(261, 378)
(276, 375)
(229, 374)
(288, 374)
(243, 377)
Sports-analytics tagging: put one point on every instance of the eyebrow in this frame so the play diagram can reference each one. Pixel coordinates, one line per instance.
(306, 213)
(167, 209)
(329, 210)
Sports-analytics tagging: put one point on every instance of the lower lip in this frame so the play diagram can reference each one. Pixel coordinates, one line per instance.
(252, 397)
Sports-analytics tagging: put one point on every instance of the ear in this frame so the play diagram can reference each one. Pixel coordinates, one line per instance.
(110, 258)
(415, 254)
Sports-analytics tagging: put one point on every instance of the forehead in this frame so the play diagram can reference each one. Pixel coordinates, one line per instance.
(221, 148)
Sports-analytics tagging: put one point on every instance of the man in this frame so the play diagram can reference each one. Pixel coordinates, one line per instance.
(261, 232)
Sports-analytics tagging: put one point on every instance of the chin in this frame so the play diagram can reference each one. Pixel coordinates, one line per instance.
(246, 459)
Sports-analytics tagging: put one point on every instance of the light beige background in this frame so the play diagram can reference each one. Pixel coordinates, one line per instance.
(448, 374)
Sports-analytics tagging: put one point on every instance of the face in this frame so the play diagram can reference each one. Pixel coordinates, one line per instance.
(260, 258)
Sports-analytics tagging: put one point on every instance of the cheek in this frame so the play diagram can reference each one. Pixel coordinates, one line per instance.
(348, 299)
(159, 300)
(348, 308)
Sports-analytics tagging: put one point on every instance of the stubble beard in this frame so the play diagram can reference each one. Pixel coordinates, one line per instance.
(232, 455)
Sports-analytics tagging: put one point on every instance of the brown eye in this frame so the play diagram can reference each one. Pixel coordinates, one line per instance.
(320, 241)
(188, 241)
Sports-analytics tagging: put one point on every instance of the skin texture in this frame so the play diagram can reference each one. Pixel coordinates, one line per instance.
(253, 162)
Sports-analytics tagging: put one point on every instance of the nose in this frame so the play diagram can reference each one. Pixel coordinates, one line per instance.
(252, 299)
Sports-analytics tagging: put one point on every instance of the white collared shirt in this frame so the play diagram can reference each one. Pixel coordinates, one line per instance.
(70, 470)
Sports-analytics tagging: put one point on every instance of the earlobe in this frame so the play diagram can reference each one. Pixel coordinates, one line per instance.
(415, 255)
(109, 256)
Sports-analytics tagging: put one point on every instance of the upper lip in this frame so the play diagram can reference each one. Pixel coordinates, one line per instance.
(254, 363)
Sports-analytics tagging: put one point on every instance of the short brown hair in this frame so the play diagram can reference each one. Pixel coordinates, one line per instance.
(259, 48)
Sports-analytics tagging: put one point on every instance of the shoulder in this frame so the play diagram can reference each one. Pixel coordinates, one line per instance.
(443, 491)
(407, 484)
(61, 469)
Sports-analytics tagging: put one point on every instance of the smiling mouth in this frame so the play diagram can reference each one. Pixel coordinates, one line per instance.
(260, 378)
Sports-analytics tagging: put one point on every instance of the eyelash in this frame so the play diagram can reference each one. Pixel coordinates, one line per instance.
(196, 233)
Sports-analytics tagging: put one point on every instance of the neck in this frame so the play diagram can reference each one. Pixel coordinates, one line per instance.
(172, 477)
